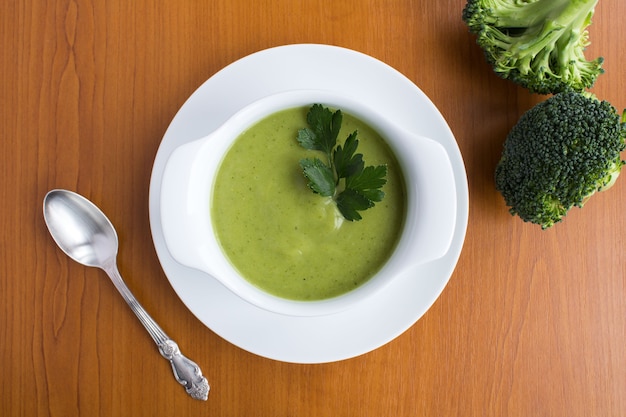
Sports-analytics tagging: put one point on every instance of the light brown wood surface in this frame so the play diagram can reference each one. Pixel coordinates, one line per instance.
(531, 323)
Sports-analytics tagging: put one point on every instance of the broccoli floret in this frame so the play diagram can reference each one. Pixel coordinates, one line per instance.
(538, 44)
(559, 153)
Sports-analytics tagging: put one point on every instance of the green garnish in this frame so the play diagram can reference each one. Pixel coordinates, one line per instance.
(343, 176)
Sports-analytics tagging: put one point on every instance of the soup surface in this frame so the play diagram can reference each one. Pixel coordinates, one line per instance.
(281, 236)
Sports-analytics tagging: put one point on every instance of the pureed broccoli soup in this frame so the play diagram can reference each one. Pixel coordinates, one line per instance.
(285, 239)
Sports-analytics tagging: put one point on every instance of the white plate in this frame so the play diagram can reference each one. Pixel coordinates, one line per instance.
(309, 339)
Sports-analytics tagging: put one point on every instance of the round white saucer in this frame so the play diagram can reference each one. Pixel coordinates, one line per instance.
(381, 318)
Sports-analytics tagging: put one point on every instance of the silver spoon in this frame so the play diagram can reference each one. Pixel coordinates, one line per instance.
(85, 234)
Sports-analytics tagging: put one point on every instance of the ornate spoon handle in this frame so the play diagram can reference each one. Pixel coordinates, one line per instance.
(186, 372)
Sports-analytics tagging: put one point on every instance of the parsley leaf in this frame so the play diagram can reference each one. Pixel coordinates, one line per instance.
(361, 186)
(346, 162)
(320, 176)
(368, 181)
(323, 129)
(350, 202)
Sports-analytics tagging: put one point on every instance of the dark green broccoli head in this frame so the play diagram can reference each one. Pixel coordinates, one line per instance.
(538, 44)
(558, 154)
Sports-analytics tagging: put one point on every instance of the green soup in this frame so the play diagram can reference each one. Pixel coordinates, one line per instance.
(281, 236)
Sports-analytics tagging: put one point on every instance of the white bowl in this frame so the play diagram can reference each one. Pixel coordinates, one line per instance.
(191, 169)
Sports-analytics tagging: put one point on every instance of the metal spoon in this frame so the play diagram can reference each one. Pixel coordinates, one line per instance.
(86, 235)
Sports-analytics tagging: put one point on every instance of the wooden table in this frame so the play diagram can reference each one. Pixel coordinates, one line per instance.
(531, 323)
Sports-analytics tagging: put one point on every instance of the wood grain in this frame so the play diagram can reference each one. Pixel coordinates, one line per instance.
(532, 323)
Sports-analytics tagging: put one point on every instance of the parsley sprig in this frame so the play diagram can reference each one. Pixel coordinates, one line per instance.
(343, 176)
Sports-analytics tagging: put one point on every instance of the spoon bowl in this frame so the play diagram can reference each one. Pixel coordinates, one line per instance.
(87, 236)
(80, 229)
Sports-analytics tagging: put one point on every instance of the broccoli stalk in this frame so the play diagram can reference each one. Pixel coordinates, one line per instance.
(558, 155)
(537, 44)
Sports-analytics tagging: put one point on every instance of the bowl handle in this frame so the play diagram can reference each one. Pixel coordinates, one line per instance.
(185, 215)
(433, 194)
